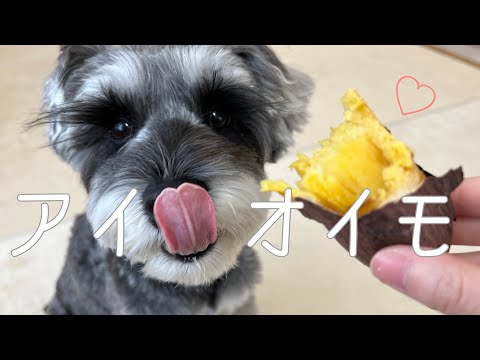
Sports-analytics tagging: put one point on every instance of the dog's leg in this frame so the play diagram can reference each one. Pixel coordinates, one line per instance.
(55, 307)
(249, 308)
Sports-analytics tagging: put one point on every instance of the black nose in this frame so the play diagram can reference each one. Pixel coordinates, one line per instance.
(152, 191)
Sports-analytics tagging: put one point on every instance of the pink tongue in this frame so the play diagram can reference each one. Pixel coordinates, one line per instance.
(186, 217)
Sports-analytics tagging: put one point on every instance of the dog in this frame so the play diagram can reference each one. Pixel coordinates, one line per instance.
(191, 129)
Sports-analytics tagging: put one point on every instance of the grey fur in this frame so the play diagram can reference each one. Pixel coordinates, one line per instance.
(94, 281)
(163, 94)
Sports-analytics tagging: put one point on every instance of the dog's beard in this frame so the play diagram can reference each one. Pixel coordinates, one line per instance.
(236, 221)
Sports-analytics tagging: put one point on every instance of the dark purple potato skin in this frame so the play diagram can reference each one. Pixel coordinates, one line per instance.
(380, 228)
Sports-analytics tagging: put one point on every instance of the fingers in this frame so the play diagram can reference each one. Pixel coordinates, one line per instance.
(466, 198)
(445, 283)
(471, 257)
(466, 231)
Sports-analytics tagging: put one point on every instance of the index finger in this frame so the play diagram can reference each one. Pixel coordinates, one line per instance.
(466, 198)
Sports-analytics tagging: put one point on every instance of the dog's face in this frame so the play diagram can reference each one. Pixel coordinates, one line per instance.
(156, 117)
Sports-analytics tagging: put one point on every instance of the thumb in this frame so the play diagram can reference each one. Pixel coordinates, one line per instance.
(444, 283)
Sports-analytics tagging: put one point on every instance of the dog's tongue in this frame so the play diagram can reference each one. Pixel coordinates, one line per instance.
(186, 217)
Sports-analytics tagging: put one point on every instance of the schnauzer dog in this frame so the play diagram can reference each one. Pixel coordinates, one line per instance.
(190, 128)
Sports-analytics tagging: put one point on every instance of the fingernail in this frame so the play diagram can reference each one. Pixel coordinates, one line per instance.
(391, 265)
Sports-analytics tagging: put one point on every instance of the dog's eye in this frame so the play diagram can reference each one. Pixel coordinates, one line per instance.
(121, 130)
(216, 118)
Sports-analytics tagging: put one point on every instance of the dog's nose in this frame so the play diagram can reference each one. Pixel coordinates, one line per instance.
(152, 192)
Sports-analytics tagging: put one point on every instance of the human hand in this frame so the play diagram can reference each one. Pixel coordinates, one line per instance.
(449, 283)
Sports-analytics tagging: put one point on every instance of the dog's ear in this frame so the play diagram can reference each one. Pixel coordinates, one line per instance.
(279, 81)
(59, 90)
(71, 57)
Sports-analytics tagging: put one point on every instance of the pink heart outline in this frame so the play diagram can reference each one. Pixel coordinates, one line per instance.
(418, 87)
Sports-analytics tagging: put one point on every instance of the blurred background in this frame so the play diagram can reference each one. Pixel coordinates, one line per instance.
(318, 276)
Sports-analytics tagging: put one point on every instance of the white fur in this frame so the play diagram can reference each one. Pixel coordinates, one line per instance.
(199, 61)
(236, 223)
(121, 74)
(56, 131)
